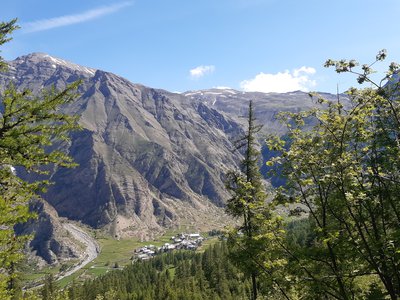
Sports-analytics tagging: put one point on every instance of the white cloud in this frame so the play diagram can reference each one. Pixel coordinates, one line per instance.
(51, 23)
(304, 69)
(281, 82)
(200, 71)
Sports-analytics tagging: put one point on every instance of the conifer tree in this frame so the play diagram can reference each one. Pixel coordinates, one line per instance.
(254, 243)
(248, 195)
(29, 126)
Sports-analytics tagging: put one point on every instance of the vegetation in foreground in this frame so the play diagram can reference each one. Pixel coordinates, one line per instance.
(345, 170)
(29, 126)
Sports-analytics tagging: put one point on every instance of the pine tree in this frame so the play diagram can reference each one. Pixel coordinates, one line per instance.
(255, 246)
(29, 126)
(49, 289)
(248, 198)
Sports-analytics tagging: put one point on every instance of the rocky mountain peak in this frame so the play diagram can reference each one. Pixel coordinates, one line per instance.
(46, 60)
(148, 159)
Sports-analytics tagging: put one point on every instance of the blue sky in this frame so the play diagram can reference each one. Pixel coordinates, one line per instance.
(181, 45)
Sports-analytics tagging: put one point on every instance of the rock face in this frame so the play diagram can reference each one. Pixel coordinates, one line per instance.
(147, 158)
(51, 242)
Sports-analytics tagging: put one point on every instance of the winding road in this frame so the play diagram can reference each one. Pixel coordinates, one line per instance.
(91, 251)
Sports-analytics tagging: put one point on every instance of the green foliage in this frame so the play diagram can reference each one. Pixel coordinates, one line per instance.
(30, 128)
(49, 289)
(254, 246)
(346, 171)
(6, 28)
(174, 275)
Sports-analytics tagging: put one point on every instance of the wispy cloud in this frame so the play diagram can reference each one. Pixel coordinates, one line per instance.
(201, 71)
(281, 82)
(67, 20)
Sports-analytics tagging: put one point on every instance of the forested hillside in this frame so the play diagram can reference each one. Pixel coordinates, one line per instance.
(174, 275)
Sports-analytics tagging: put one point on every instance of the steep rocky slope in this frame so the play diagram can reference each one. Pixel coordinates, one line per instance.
(148, 159)
(51, 243)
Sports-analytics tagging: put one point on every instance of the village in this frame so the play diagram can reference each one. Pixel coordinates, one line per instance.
(182, 241)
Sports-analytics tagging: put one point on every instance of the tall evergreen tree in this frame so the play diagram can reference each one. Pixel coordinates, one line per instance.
(29, 126)
(248, 194)
(261, 229)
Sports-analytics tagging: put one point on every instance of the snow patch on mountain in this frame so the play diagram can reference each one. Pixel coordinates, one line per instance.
(55, 62)
(70, 65)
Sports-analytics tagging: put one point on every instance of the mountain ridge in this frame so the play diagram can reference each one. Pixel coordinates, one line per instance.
(148, 159)
(131, 136)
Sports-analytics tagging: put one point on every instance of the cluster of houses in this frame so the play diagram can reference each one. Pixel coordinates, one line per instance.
(189, 241)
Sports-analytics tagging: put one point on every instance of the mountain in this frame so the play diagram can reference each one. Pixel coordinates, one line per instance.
(266, 105)
(148, 159)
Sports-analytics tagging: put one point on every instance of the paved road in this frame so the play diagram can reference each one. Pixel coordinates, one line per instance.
(91, 251)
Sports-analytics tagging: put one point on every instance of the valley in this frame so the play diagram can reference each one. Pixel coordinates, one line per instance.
(199, 150)
(151, 164)
(148, 160)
